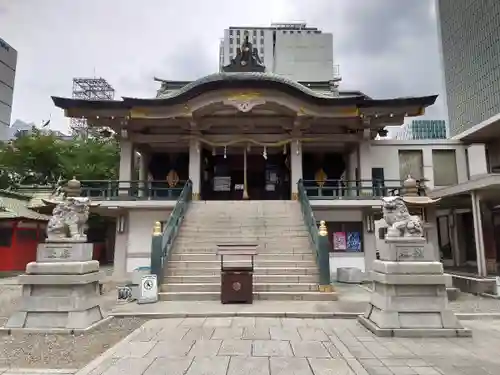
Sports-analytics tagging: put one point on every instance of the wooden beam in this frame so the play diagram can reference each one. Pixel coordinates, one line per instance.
(227, 138)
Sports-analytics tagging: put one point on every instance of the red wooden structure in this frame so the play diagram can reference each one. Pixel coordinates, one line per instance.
(19, 239)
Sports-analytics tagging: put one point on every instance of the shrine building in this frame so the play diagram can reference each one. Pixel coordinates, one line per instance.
(247, 135)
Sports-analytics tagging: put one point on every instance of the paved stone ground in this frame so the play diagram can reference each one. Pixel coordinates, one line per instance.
(352, 299)
(37, 372)
(51, 351)
(273, 346)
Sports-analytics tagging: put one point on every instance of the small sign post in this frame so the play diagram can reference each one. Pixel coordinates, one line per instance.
(148, 289)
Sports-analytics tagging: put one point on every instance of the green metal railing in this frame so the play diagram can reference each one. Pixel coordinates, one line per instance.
(352, 189)
(162, 241)
(318, 237)
(131, 190)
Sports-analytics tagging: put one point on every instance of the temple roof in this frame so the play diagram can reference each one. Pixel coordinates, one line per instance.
(15, 206)
(242, 80)
(246, 60)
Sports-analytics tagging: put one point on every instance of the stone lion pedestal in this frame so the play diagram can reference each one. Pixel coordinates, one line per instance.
(60, 291)
(409, 296)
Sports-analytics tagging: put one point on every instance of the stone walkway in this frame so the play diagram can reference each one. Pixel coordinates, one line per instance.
(21, 371)
(353, 300)
(274, 346)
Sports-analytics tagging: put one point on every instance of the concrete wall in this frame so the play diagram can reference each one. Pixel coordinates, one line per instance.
(133, 247)
(363, 260)
(476, 159)
(304, 57)
(385, 154)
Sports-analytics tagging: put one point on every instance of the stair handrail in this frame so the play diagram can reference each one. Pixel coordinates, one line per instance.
(319, 238)
(163, 241)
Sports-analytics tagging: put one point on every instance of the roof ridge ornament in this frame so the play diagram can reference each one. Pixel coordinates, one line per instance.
(247, 59)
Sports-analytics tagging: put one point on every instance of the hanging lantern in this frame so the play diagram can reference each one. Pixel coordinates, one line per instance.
(320, 177)
(172, 178)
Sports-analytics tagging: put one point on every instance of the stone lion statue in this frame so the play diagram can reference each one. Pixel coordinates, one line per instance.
(68, 220)
(399, 220)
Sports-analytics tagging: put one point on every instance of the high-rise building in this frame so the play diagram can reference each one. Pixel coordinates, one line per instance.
(422, 129)
(293, 50)
(8, 61)
(470, 46)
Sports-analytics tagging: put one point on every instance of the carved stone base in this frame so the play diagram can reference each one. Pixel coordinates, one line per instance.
(195, 196)
(295, 196)
(64, 252)
(57, 293)
(409, 293)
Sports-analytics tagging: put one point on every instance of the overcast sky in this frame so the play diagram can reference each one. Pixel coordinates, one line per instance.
(385, 48)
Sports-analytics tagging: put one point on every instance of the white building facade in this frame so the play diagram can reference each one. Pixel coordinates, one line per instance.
(294, 50)
(8, 62)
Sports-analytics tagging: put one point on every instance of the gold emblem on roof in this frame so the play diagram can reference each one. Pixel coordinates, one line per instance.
(244, 96)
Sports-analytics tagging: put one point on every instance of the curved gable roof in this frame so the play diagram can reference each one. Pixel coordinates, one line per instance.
(244, 80)
(238, 80)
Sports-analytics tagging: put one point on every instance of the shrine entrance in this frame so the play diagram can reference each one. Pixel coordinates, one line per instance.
(239, 173)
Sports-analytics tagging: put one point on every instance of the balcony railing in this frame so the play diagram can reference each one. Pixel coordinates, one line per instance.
(131, 190)
(354, 189)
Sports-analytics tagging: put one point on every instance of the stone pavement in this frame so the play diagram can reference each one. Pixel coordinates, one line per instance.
(353, 300)
(37, 372)
(274, 346)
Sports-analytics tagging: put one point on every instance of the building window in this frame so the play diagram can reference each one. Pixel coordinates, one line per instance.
(238, 32)
(411, 164)
(6, 236)
(230, 32)
(262, 33)
(444, 164)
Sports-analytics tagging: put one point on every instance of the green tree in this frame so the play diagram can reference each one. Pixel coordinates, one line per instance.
(90, 159)
(32, 158)
(43, 158)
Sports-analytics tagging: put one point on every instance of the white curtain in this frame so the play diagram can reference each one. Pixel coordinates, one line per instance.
(411, 163)
(445, 167)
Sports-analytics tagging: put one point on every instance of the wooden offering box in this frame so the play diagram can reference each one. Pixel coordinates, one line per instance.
(237, 281)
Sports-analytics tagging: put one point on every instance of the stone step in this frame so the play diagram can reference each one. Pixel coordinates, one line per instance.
(215, 271)
(275, 296)
(183, 239)
(182, 256)
(273, 279)
(233, 236)
(257, 287)
(236, 225)
(188, 228)
(262, 249)
(258, 262)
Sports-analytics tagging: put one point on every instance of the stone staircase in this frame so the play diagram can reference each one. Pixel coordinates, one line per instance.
(285, 267)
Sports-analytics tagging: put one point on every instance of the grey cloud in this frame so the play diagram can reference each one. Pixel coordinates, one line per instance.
(385, 48)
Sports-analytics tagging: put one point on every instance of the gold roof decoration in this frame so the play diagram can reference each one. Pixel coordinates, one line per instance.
(410, 194)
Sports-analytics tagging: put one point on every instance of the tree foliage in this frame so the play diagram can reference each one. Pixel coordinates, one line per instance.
(43, 158)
